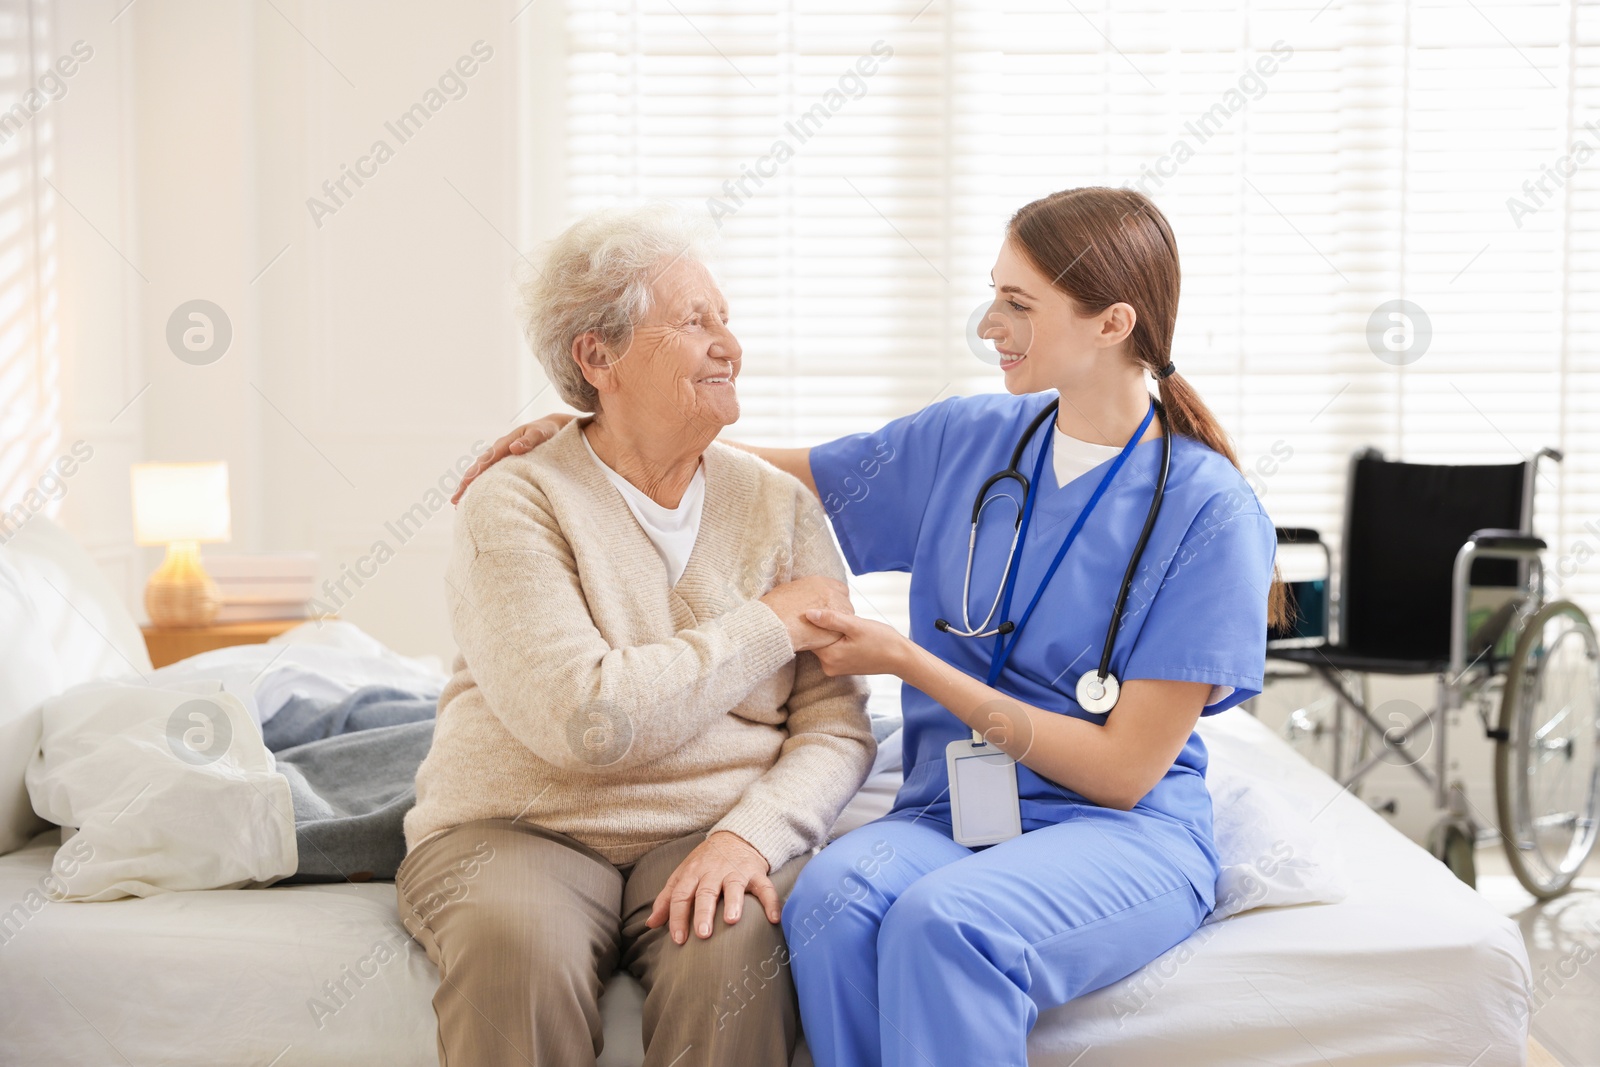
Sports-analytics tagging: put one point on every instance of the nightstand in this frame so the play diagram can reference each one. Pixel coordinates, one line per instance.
(169, 644)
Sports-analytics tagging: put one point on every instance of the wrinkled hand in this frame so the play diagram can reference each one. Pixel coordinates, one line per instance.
(791, 600)
(723, 865)
(525, 438)
(863, 646)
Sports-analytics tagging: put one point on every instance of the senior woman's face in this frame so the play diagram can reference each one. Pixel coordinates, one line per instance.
(683, 360)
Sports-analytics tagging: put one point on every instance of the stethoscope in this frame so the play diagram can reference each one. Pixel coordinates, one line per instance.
(1097, 690)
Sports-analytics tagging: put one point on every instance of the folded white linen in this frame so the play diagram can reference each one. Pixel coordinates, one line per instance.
(159, 790)
(167, 785)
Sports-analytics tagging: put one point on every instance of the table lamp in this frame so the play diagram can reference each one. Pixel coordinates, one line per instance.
(180, 505)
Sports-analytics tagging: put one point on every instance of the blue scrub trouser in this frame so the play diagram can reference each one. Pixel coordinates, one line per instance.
(908, 948)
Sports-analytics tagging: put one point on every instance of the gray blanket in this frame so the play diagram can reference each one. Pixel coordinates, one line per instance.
(352, 769)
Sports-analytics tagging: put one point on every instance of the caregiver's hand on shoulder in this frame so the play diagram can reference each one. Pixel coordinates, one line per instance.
(723, 865)
(791, 600)
(524, 438)
(863, 646)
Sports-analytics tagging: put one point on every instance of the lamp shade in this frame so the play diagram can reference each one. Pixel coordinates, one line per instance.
(181, 502)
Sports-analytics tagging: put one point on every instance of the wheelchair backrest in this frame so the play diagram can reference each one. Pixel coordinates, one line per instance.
(1404, 524)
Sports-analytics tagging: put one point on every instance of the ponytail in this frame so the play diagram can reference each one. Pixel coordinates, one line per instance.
(1187, 414)
(1118, 247)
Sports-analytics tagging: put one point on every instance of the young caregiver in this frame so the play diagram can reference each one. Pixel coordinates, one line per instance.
(1090, 574)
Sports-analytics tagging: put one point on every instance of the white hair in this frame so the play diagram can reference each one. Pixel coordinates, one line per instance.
(596, 276)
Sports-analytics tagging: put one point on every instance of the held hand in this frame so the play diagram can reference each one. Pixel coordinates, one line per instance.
(863, 646)
(791, 600)
(724, 865)
(524, 438)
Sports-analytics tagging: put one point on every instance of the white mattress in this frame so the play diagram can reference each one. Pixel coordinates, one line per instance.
(1413, 968)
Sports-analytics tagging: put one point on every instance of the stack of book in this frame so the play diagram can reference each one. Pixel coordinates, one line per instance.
(274, 585)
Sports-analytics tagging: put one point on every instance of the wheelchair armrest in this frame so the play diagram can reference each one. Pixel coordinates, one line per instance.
(1507, 540)
(1487, 544)
(1298, 535)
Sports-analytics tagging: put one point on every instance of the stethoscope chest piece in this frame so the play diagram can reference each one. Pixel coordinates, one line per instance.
(1098, 694)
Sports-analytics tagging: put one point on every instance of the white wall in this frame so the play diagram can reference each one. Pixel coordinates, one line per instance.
(102, 293)
(369, 352)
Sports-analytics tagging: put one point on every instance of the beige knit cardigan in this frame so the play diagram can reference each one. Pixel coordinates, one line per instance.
(591, 698)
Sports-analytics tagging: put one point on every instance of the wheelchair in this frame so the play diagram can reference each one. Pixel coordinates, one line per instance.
(1440, 575)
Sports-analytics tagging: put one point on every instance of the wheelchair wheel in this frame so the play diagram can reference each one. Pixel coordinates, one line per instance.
(1547, 780)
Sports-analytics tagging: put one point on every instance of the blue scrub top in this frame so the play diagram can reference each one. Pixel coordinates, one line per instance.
(901, 500)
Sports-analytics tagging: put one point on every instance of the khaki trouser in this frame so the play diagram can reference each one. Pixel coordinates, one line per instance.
(525, 926)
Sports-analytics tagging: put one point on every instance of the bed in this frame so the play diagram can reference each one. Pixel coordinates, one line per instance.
(1412, 967)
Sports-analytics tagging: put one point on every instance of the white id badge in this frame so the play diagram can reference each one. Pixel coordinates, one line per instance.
(983, 793)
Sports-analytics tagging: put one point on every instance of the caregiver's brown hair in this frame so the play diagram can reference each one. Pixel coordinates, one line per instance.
(1103, 246)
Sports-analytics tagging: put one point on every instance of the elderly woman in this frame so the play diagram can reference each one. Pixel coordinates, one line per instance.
(636, 729)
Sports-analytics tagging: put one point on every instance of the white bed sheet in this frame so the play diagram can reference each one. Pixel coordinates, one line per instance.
(1413, 968)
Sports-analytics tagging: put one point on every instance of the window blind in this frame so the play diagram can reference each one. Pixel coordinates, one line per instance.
(29, 379)
(1317, 160)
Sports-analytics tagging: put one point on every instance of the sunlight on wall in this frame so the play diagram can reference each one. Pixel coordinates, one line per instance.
(30, 394)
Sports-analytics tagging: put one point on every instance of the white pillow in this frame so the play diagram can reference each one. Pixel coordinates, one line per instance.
(29, 675)
(78, 613)
(168, 789)
(1271, 854)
